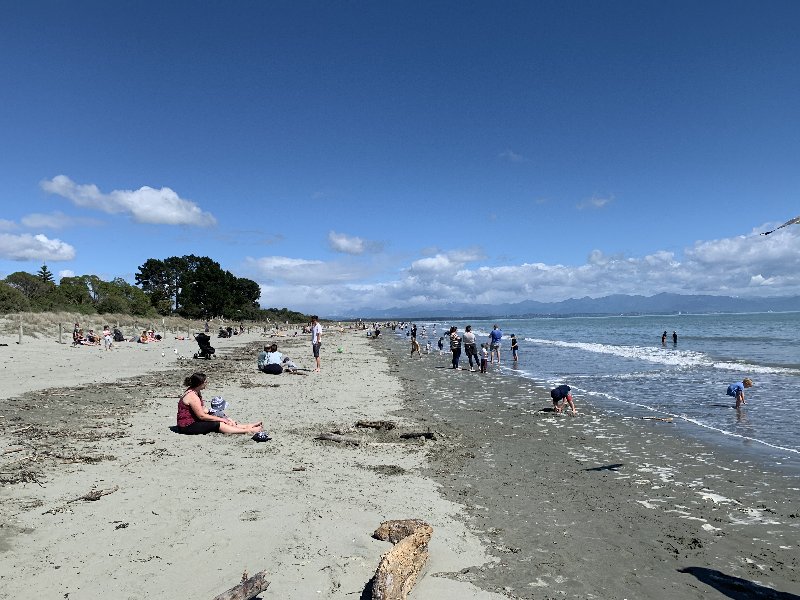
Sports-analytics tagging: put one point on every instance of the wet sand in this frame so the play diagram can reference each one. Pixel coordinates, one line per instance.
(600, 506)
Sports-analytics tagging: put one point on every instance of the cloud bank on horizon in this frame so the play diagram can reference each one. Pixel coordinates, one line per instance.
(742, 265)
(737, 266)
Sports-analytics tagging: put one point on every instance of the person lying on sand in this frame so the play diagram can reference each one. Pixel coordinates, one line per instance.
(194, 419)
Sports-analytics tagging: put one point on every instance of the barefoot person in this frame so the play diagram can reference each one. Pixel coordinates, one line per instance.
(562, 395)
(194, 418)
(737, 390)
(494, 343)
(316, 339)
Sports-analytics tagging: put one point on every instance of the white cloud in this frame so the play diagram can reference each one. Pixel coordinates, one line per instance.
(511, 156)
(272, 270)
(145, 205)
(741, 266)
(6, 225)
(34, 247)
(66, 273)
(56, 220)
(595, 202)
(345, 244)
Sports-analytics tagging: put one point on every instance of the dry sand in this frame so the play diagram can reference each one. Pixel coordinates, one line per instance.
(184, 516)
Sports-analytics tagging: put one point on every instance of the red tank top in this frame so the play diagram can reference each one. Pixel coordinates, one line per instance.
(185, 415)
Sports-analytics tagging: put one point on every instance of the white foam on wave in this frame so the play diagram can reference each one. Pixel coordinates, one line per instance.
(679, 358)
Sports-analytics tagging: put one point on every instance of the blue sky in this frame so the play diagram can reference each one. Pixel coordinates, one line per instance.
(351, 154)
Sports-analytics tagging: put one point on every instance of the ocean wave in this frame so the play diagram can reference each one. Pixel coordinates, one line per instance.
(666, 356)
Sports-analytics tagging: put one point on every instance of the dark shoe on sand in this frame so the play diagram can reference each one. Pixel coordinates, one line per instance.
(261, 436)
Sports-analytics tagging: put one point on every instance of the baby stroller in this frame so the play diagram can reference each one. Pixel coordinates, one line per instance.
(206, 349)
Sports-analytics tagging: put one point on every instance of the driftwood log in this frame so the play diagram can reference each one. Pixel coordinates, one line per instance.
(335, 437)
(418, 434)
(384, 425)
(94, 495)
(400, 567)
(248, 588)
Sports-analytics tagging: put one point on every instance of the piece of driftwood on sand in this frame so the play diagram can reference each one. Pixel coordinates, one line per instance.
(341, 439)
(400, 567)
(382, 425)
(248, 588)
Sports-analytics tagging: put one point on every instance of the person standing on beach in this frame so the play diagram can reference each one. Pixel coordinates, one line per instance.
(675, 337)
(484, 357)
(316, 339)
(415, 347)
(664, 338)
(494, 343)
(514, 347)
(737, 390)
(455, 346)
(470, 348)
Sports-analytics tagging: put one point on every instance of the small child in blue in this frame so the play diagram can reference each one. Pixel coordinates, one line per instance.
(737, 390)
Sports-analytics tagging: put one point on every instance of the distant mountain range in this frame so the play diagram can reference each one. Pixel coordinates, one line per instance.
(608, 305)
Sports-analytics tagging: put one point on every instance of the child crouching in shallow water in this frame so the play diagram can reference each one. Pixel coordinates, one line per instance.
(194, 419)
(737, 390)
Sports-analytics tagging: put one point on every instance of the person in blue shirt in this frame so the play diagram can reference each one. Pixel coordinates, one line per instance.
(737, 390)
(494, 343)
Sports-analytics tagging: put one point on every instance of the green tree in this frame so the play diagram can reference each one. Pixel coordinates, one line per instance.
(31, 286)
(75, 292)
(12, 299)
(45, 275)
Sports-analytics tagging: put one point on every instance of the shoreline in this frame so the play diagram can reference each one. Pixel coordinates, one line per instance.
(556, 497)
(185, 515)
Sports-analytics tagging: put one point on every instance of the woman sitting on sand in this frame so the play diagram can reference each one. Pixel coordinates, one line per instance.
(194, 419)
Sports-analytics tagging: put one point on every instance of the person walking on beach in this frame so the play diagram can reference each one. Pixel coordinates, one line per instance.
(441, 345)
(514, 347)
(455, 346)
(737, 390)
(494, 343)
(470, 347)
(316, 339)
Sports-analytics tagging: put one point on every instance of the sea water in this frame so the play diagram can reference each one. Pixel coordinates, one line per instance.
(619, 364)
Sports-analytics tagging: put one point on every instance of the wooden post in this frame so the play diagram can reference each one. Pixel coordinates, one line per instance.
(60, 333)
(20, 333)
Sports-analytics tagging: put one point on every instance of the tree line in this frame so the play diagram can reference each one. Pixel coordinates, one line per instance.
(194, 287)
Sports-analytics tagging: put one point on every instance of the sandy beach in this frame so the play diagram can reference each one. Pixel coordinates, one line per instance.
(523, 503)
(186, 516)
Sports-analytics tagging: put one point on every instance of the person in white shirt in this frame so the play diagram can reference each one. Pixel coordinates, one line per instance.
(316, 339)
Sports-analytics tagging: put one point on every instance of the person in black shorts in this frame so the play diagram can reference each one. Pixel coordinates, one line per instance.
(562, 395)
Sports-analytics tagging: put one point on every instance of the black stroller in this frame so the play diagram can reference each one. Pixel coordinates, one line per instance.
(206, 349)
